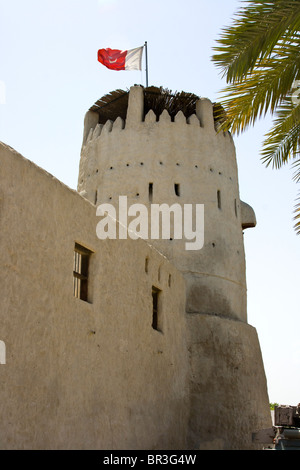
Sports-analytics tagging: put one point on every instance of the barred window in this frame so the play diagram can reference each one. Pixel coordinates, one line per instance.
(81, 271)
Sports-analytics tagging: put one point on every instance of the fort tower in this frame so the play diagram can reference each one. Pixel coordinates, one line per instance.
(157, 148)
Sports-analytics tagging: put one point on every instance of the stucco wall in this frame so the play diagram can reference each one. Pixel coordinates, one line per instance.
(88, 375)
(227, 378)
(83, 375)
(122, 158)
(228, 390)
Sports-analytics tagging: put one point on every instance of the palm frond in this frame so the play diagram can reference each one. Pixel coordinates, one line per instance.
(256, 30)
(282, 141)
(296, 165)
(263, 89)
(259, 56)
(297, 217)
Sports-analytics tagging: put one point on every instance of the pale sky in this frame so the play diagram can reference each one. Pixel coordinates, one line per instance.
(50, 76)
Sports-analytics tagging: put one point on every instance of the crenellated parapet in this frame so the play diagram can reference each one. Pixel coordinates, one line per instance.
(202, 117)
(155, 138)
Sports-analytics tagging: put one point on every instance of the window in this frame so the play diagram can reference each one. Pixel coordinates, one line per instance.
(150, 191)
(146, 265)
(219, 199)
(177, 189)
(156, 319)
(81, 271)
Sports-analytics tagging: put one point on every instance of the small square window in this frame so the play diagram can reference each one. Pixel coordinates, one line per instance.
(81, 271)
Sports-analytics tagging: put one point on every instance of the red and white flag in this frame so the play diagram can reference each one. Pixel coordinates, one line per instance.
(115, 59)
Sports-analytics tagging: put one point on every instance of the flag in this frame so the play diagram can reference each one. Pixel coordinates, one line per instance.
(115, 59)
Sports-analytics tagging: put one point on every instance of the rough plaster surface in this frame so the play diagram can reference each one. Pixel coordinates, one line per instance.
(83, 375)
(122, 158)
(96, 375)
(227, 378)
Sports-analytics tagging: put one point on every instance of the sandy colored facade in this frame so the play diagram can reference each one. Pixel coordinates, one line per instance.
(97, 373)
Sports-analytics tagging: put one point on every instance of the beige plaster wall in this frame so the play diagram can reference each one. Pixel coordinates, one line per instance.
(83, 375)
(227, 378)
(88, 375)
(228, 389)
(123, 158)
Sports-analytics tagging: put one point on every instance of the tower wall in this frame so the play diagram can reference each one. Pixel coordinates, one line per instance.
(227, 384)
(125, 158)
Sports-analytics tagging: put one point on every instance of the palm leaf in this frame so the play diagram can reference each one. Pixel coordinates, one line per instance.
(263, 89)
(259, 56)
(282, 141)
(296, 176)
(297, 217)
(256, 30)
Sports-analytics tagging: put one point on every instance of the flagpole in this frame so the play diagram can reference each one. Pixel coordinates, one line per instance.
(146, 53)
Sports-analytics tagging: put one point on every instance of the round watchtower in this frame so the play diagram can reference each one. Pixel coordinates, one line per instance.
(167, 156)
(156, 148)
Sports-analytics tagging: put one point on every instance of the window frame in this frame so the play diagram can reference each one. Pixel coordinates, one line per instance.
(81, 264)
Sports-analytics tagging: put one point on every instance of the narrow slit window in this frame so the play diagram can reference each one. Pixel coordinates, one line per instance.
(156, 320)
(177, 189)
(81, 272)
(150, 191)
(219, 198)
